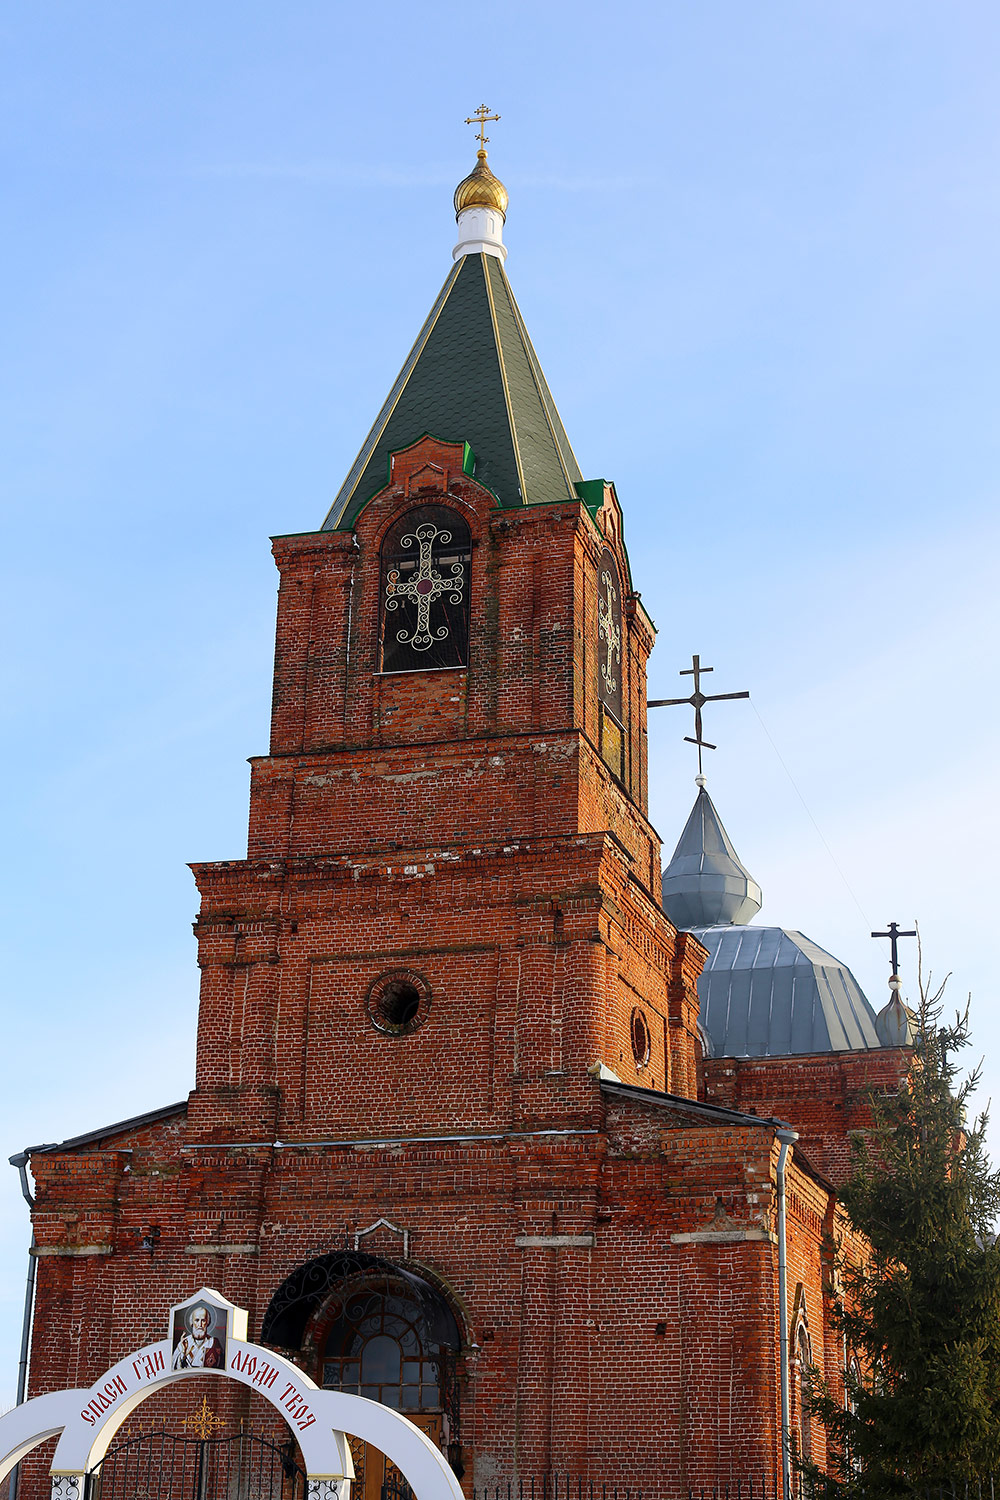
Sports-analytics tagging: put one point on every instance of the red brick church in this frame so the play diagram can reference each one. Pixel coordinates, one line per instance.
(494, 1121)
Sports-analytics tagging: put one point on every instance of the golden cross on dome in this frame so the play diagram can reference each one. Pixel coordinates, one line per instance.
(480, 118)
(204, 1422)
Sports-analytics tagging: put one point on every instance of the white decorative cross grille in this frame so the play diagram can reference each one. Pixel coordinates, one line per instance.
(424, 586)
(609, 632)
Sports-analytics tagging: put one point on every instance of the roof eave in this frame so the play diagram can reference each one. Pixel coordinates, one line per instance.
(715, 1114)
(135, 1122)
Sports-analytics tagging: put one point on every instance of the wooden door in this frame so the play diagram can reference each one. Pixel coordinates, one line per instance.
(371, 1467)
(377, 1345)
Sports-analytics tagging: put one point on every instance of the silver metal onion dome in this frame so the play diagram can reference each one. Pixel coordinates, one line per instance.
(705, 883)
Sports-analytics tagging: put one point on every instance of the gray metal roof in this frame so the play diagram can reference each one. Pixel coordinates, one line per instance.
(472, 376)
(704, 882)
(771, 992)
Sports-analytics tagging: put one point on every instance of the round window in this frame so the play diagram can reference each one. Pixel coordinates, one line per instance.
(398, 1002)
(640, 1038)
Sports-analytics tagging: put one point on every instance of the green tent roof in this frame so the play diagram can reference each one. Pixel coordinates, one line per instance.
(471, 376)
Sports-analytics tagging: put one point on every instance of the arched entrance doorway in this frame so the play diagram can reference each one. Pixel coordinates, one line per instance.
(367, 1327)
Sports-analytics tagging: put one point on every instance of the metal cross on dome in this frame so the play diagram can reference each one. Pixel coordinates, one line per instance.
(480, 117)
(894, 934)
(697, 700)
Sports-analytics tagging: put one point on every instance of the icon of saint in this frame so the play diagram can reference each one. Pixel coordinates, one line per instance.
(198, 1348)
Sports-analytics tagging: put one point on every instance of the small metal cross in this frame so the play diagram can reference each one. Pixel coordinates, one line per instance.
(480, 117)
(204, 1420)
(894, 934)
(697, 700)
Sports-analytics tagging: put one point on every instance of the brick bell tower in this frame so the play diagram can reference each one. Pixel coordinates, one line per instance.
(448, 920)
(449, 1144)
(445, 1143)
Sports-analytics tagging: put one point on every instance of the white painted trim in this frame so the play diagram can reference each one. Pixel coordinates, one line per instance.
(480, 232)
(360, 1234)
(41, 1250)
(724, 1237)
(601, 1071)
(320, 1420)
(25, 1426)
(555, 1241)
(107, 1403)
(220, 1249)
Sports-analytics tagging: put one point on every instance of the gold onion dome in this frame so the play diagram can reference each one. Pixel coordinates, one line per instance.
(481, 189)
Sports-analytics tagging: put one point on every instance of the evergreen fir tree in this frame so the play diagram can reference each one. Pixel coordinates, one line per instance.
(921, 1318)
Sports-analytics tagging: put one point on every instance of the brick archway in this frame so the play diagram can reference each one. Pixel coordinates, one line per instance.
(303, 1292)
(326, 1311)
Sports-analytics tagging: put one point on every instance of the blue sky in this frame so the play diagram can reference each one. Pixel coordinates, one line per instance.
(757, 249)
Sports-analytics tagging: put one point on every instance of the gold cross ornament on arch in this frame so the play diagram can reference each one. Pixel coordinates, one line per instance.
(204, 1422)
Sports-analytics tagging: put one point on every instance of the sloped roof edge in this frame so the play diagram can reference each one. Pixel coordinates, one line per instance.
(134, 1122)
(716, 1114)
(346, 491)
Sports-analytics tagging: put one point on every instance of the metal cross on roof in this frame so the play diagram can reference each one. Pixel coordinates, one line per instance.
(894, 934)
(697, 700)
(480, 117)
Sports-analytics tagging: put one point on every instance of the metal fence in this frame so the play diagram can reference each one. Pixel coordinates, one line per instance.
(769, 1487)
(162, 1466)
(554, 1487)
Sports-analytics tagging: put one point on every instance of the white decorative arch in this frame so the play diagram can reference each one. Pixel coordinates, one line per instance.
(87, 1419)
(26, 1426)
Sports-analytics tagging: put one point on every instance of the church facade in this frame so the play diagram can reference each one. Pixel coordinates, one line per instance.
(465, 1137)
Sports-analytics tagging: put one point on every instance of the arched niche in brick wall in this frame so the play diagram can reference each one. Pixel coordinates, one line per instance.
(87, 1419)
(302, 1294)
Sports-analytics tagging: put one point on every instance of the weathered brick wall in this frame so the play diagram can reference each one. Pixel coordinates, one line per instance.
(562, 942)
(610, 1257)
(827, 1096)
(585, 1344)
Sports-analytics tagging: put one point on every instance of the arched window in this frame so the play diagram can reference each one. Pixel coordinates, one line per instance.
(852, 1388)
(803, 1416)
(610, 662)
(377, 1330)
(609, 635)
(425, 591)
(379, 1346)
